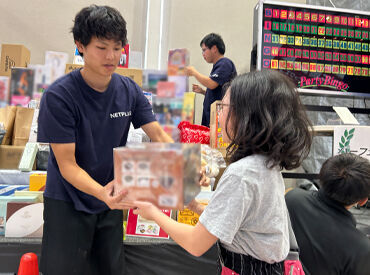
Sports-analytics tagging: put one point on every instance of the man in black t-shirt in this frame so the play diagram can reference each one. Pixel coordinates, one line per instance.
(326, 231)
(223, 71)
(84, 115)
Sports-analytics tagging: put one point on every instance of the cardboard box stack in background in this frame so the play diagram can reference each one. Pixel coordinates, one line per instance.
(13, 56)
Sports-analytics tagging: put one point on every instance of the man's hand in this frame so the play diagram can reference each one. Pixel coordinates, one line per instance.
(190, 71)
(113, 201)
(198, 89)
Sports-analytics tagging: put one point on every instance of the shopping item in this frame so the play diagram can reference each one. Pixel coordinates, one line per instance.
(191, 133)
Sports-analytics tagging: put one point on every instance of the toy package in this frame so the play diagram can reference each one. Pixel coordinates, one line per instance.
(164, 174)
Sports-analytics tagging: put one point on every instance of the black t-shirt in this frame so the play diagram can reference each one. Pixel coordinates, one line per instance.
(326, 233)
(73, 112)
(222, 72)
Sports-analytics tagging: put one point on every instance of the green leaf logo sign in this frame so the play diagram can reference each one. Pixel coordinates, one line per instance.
(345, 141)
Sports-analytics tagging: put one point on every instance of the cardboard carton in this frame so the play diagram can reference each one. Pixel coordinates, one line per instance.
(10, 156)
(13, 56)
(135, 74)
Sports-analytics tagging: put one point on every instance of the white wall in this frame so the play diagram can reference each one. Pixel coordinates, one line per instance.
(45, 25)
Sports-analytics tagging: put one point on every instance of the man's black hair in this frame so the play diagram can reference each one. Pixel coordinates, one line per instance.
(345, 178)
(101, 22)
(214, 39)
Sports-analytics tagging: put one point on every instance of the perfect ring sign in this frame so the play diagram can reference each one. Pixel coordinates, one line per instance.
(352, 139)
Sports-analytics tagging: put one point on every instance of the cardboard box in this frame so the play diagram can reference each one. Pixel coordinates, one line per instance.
(135, 74)
(13, 56)
(10, 156)
(216, 139)
(37, 182)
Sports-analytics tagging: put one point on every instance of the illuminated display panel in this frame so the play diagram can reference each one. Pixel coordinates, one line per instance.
(320, 49)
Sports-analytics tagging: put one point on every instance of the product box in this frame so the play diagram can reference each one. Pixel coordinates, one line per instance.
(21, 86)
(137, 226)
(125, 54)
(178, 59)
(13, 56)
(42, 80)
(188, 107)
(10, 156)
(7, 190)
(165, 174)
(37, 182)
(4, 91)
(181, 84)
(135, 74)
(151, 79)
(3, 207)
(166, 89)
(168, 111)
(56, 61)
(216, 138)
(24, 220)
(39, 195)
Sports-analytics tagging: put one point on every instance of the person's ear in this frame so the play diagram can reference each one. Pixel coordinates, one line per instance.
(80, 47)
(214, 49)
(362, 202)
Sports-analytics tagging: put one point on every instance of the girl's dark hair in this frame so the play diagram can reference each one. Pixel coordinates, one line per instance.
(101, 22)
(268, 118)
(346, 178)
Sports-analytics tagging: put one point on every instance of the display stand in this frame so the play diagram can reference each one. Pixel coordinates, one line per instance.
(141, 256)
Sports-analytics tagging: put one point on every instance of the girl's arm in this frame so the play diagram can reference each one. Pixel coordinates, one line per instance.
(196, 240)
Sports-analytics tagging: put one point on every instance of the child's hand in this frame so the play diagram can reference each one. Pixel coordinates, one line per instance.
(144, 209)
(204, 180)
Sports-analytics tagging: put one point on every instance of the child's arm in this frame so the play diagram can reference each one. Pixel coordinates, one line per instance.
(196, 240)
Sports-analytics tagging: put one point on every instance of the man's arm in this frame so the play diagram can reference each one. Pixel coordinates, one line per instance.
(204, 80)
(75, 175)
(156, 133)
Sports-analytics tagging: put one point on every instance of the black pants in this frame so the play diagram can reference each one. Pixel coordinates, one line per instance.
(247, 265)
(76, 242)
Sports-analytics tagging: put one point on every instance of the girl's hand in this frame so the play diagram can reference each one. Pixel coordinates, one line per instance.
(145, 209)
(204, 180)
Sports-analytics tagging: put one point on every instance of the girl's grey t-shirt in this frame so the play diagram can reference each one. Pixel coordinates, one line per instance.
(248, 213)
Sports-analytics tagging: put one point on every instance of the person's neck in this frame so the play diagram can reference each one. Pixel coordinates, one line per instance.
(217, 58)
(97, 82)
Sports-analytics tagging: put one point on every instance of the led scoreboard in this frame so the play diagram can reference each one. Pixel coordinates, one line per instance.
(323, 50)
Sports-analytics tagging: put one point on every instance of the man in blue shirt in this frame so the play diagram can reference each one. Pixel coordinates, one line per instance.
(84, 115)
(223, 71)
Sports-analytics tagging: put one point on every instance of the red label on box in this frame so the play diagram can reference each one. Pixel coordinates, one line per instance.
(291, 15)
(329, 19)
